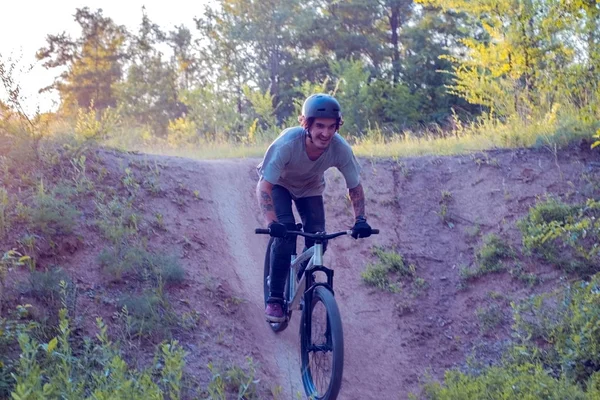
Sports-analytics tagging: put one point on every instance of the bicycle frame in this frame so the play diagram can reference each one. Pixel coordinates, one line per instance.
(297, 289)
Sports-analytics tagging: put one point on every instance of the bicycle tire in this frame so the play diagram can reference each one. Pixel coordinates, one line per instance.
(275, 326)
(334, 343)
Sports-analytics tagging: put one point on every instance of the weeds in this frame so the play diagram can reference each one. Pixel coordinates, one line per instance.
(235, 381)
(444, 213)
(492, 254)
(147, 266)
(567, 236)
(490, 317)
(491, 257)
(146, 314)
(52, 369)
(115, 220)
(80, 179)
(51, 215)
(390, 264)
(4, 221)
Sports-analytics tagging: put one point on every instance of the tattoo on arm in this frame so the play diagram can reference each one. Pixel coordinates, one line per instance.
(357, 196)
(266, 202)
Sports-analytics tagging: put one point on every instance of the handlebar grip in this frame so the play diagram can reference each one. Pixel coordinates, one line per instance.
(374, 231)
(261, 231)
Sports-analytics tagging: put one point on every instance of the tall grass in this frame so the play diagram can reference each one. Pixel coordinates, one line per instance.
(557, 127)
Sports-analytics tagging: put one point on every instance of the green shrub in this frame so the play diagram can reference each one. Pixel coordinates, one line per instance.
(51, 215)
(490, 257)
(53, 370)
(46, 285)
(125, 259)
(490, 317)
(390, 263)
(115, 220)
(576, 338)
(4, 221)
(377, 275)
(567, 236)
(144, 314)
(492, 254)
(233, 382)
(526, 382)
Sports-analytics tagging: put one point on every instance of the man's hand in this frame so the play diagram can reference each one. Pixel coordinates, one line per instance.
(361, 228)
(277, 229)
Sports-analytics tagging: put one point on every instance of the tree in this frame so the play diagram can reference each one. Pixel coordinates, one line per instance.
(92, 63)
(509, 71)
(432, 36)
(397, 13)
(150, 92)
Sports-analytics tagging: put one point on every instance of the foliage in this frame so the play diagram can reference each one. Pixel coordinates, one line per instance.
(527, 381)
(234, 380)
(51, 215)
(597, 142)
(565, 235)
(123, 259)
(390, 263)
(94, 61)
(491, 257)
(4, 220)
(53, 370)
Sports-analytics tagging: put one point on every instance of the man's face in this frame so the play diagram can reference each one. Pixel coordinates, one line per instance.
(322, 130)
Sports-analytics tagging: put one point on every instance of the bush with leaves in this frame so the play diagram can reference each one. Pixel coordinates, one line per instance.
(53, 370)
(565, 235)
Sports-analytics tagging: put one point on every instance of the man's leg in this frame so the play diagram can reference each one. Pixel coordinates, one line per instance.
(281, 252)
(312, 213)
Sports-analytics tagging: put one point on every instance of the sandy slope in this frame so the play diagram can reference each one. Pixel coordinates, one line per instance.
(391, 339)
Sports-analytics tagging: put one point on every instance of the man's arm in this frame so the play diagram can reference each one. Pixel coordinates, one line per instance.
(265, 200)
(357, 197)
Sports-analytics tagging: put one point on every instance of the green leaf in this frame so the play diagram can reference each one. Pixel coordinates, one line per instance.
(52, 345)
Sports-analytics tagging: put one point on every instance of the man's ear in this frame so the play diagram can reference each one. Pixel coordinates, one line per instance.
(302, 120)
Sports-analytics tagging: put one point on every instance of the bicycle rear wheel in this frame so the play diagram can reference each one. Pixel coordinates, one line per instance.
(275, 326)
(322, 346)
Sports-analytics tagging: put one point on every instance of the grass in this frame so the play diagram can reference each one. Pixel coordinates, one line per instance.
(390, 264)
(490, 317)
(4, 206)
(485, 134)
(52, 215)
(124, 260)
(564, 235)
(491, 257)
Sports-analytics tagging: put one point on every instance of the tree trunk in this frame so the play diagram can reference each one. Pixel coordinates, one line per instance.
(394, 25)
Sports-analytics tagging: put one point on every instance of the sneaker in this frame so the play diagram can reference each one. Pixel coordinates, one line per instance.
(274, 312)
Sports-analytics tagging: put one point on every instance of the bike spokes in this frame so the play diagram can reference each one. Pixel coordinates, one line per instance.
(320, 355)
(322, 347)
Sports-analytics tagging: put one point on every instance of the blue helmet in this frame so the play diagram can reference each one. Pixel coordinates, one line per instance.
(321, 106)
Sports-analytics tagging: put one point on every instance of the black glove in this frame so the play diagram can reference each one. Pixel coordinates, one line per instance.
(277, 230)
(361, 228)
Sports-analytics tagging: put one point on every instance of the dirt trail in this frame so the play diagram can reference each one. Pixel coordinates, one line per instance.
(391, 339)
(231, 187)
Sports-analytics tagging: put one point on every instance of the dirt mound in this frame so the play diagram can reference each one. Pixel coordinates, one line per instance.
(434, 211)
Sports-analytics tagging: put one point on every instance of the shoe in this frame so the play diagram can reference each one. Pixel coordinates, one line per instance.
(274, 312)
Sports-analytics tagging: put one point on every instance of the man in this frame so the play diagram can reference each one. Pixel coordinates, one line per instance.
(293, 169)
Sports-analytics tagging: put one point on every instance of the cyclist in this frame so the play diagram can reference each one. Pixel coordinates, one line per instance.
(293, 169)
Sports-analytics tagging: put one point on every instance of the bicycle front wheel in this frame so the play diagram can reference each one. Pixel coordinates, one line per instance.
(322, 346)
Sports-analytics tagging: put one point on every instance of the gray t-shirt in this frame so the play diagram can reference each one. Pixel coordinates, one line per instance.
(287, 164)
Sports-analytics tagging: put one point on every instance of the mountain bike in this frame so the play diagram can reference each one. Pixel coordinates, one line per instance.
(321, 334)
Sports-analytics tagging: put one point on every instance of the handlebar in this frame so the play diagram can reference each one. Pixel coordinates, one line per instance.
(316, 236)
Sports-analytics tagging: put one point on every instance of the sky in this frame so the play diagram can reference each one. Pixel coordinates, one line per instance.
(25, 24)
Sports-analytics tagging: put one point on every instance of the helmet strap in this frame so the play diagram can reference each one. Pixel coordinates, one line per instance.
(309, 136)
